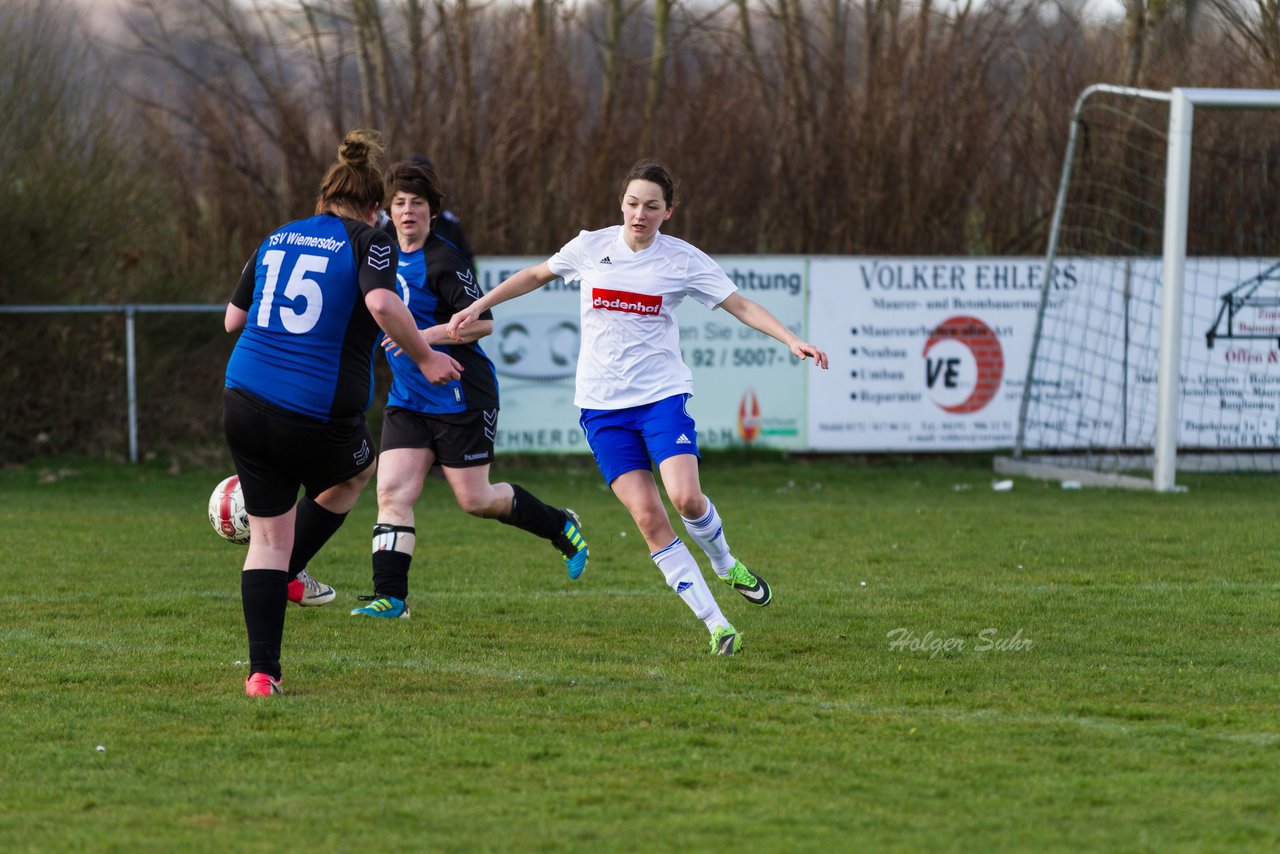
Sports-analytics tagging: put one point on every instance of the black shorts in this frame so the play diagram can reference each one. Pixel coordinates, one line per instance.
(276, 451)
(458, 439)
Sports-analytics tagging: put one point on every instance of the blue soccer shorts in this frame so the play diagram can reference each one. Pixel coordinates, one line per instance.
(639, 437)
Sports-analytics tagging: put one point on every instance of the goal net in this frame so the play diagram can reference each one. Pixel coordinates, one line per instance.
(1157, 343)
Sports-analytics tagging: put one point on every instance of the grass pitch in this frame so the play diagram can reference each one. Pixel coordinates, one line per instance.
(943, 667)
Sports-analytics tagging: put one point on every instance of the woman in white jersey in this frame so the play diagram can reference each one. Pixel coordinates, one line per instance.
(632, 384)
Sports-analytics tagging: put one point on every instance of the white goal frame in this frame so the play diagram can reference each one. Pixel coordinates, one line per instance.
(1182, 106)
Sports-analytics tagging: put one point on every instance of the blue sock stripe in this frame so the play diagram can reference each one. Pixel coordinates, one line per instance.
(673, 544)
(706, 517)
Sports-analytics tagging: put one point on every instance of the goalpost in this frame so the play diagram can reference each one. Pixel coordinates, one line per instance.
(1157, 340)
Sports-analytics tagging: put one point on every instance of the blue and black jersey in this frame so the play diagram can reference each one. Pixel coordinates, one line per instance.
(308, 342)
(435, 282)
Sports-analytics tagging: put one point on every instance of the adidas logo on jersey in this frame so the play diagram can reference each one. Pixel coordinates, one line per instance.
(605, 260)
(683, 440)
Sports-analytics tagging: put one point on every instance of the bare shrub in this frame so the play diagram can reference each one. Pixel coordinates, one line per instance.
(902, 127)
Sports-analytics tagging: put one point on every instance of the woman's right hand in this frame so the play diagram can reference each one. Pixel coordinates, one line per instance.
(440, 368)
(460, 320)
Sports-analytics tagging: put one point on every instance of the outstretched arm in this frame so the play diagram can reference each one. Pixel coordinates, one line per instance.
(753, 314)
(520, 283)
(396, 321)
(439, 335)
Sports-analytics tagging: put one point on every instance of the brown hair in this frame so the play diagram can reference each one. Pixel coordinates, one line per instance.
(354, 182)
(651, 170)
(416, 176)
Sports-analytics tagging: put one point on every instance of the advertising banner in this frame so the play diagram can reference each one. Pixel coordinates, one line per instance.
(1100, 357)
(927, 354)
(1230, 355)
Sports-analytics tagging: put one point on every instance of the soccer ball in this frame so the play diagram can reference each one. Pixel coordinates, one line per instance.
(226, 512)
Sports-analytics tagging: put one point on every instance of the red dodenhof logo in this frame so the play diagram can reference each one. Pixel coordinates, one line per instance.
(625, 301)
(963, 364)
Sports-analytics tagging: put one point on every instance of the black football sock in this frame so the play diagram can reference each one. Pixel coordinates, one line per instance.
(312, 527)
(264, 593)
(530, 514)
(390, 562)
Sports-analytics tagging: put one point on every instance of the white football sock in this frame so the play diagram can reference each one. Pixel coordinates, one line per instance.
(708, 533)
(684, 577)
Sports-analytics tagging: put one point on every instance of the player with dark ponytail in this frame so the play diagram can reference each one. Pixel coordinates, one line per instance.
(311, 306)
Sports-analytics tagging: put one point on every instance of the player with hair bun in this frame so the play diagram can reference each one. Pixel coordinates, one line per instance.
(311, 306)
(632, 383)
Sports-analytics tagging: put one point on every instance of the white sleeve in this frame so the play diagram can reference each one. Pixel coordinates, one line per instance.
(707, 282)
(568, 261)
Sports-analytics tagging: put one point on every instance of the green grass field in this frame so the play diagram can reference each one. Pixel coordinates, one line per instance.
(1091, 670)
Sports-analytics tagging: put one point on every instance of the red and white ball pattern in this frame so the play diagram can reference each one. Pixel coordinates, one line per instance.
(226, 512)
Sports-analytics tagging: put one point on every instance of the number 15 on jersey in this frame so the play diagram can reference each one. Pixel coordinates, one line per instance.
(300, 285)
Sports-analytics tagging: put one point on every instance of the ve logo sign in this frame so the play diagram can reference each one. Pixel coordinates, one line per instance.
(963, 365)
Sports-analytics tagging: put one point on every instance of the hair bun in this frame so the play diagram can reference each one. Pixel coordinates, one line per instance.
(358, 146)
(354, 183)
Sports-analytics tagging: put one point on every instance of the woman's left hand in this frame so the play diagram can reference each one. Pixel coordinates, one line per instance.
(802, 350)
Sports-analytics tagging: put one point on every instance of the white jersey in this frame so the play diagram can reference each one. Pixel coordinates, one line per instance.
(630, 349)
